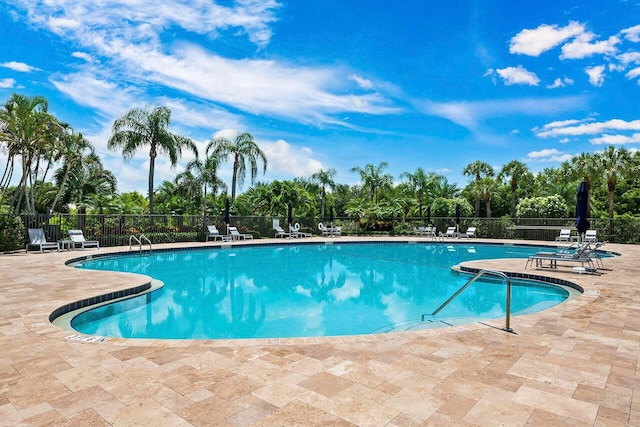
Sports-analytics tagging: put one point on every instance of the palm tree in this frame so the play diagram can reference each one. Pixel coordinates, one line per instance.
(325, 179)
(205, 174)
(442, 188)
(373, 178)
(74, 155)
(243, 150)
(421, 182)
(516, 171)
(138, 128)
(24, 132)
(485, 189)
(478, 169)
(613, 164)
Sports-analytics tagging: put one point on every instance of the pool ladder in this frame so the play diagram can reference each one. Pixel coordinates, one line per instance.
(481, 273)
(139, 240)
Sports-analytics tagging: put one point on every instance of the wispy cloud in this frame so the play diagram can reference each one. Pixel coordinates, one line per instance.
(560, 82)
(18, 66)
(616, 139)
(596, 75)
(7, 83)
(617, 131)
(548, 155)
(632, 34)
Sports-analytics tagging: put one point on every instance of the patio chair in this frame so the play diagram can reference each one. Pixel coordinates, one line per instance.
(590, 236)
(451, 232)
(471, 232)
(565, 235)
(581, 253)
(77, 238)
(280, 232)
(37, 238)
(214, 233)
(236, 235)
(294, 231)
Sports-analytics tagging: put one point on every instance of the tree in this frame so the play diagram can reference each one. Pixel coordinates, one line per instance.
(485, 188)
(27, 131)
(421, 183)
(76, 153)
(142, 127)
(325, 179)
(515, 170)
(205, 174)
(613, 164)
(243, 150)
(373, 178)
(479, 170)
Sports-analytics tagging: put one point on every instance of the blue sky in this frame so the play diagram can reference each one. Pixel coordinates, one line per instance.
(337, 84)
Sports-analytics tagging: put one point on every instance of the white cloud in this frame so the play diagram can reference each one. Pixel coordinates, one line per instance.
(629, 57)
(18, 66)
(564, 123)
(548, 155)
(7, 83)
(83, 55)
(288, 160)
(560, 82)
(582, 47)
(596, 75)
(633, 73)
(564, 140)
(518, 75)
(569, 129)
(616, 139)
(545, 37)
(361, 81)
(632, 34)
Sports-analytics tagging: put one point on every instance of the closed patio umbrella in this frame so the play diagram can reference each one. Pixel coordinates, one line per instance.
(290, 214)
(582, 209)
(429, 215)
(458, 217)
(227, 220)
(331, 216)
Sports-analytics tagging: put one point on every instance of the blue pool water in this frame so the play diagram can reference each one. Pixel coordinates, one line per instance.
(308, 290)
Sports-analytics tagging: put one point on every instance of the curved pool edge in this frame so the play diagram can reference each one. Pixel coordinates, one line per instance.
(318, 241)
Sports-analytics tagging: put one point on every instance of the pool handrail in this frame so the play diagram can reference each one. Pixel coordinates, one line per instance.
(139, 241)
(507, 327)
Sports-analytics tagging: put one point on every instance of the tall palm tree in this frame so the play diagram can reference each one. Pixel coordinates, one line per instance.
(515, 170)
(479, 170)
(142, 127)
(373, 178)
(421, 182)
(325, 179)
(243, 150)
(75, 153)
(485, 189)
(206, 175)
(613, 163)
(24, 133)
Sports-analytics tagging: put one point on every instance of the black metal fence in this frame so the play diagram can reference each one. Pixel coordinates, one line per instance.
(116, 230)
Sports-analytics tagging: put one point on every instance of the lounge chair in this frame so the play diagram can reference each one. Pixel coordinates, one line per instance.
(471, 232)
(77, 238)
(590, 236)
(214, 233)
(280, 232)
(565, 235)
(581, 253)
(37, 238)
(451, 232)
(236, 235)
(294, 231)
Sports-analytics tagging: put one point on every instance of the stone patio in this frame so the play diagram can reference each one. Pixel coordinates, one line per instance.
(574, 364)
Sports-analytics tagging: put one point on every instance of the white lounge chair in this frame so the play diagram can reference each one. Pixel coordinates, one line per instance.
(565, 235)
(236, 235)
(77, 238)
(451, 232)
(471, 232)
(294, 231)
(280, 232)
(590, 236)
(37, 238)
(214, 233)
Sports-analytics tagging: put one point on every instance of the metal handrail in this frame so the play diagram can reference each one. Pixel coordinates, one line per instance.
(507, 327)
(139, 241)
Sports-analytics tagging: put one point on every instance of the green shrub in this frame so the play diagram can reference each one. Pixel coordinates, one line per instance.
(12, 233)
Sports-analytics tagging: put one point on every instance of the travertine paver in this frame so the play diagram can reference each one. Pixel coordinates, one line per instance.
(574, 364)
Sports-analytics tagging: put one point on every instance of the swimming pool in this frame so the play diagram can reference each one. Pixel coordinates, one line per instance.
(302, 290)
